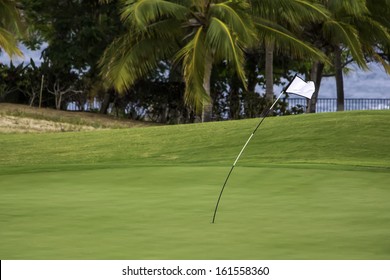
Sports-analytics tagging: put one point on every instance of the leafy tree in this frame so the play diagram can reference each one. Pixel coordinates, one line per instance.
(10, 81)
(22, 83)
(76, 32)
(29, 81)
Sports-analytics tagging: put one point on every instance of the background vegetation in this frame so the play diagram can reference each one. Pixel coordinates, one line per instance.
(90, 47)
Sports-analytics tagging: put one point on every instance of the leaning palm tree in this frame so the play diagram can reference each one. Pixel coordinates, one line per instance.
(10, 27)
(194, 33)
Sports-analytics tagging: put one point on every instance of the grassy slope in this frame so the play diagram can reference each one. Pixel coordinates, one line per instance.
(353, 138)
(307, 187)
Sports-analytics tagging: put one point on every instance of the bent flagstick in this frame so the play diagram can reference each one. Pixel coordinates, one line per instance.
(297, 86)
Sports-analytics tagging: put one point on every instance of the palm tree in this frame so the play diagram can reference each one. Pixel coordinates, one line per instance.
(280, 24)
(10, 27)
(343, 12)
(369, 32)
(328, 35)
(196, 33)
(342, 31)
(374, 30)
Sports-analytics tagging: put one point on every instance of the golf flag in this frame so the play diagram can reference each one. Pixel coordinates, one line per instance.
(296, 86)
(301, 88)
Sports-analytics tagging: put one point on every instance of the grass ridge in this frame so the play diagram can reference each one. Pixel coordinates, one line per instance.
(349, 138)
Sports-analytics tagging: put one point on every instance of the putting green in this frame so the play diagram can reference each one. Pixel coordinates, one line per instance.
(290, 212)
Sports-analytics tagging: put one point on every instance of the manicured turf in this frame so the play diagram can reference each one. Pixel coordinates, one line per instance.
(307, 187)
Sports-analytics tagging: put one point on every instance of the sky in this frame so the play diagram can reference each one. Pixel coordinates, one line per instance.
(374, 83)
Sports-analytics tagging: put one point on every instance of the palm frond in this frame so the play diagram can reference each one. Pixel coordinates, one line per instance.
(9, 15)
(370, 30)
(380, 10)
(167, 29)
(193, 55)
(349, 7)
(371, 35)
(342, 33)
(141, 13)
(8, 43)
(226, 45)
(289, 10)
(236, 16)
(379, 59)
(130, 58)
(312, 11)
(286, 41)
(10, 27)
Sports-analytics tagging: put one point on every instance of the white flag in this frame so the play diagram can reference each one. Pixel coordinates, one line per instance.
(301, 88)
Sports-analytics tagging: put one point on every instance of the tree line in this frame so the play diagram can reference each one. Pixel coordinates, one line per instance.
(182, 60)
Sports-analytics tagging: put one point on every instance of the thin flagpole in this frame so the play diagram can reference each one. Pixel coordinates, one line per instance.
(242, 150)
(249, 139)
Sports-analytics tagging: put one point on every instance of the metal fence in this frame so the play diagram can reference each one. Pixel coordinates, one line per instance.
(93, 105)
(323, 104)
(330, 104)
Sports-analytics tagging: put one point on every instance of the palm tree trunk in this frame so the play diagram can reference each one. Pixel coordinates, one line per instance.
(339, 78)
(316, 77)
(252, 60)
(269, 71)
(207, 104)
(106, 102)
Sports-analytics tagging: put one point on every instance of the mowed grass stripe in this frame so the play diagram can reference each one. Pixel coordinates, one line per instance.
(165, 213)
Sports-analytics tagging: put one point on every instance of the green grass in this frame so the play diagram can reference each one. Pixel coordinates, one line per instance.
(307, 187)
